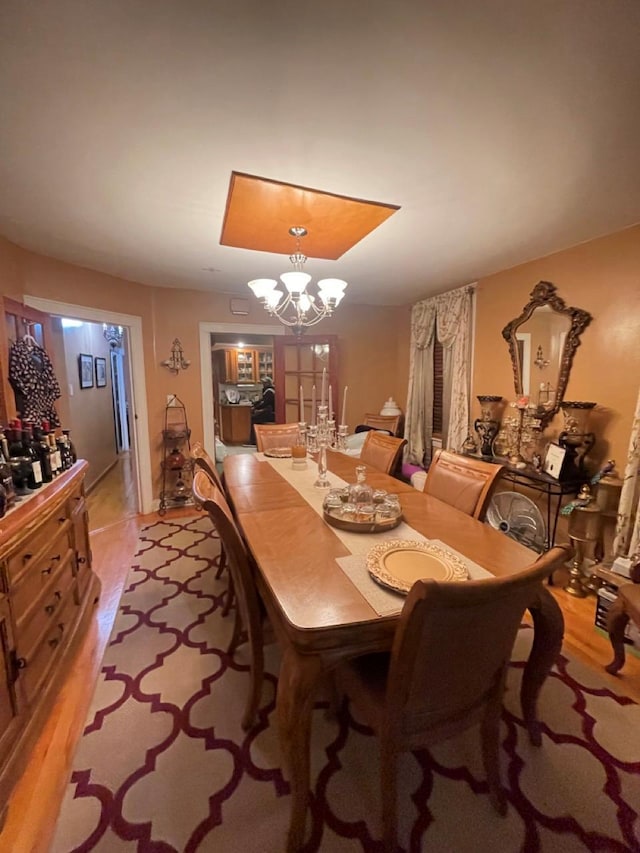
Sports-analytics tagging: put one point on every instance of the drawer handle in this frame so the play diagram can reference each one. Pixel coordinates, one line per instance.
(26, 557)
(81, 560)
(49, 609)
(54, 642)
(62, 520)
(46, 571)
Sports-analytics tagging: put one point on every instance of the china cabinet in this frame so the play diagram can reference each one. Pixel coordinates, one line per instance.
(47, 593)
(248, 366)
(176, 458)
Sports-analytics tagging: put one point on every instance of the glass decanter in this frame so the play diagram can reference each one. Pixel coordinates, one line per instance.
(361, 492)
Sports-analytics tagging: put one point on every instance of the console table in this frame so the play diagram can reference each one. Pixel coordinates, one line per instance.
(541, 482)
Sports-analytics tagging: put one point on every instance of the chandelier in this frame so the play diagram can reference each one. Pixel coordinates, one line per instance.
(113, 334)
(299, 308)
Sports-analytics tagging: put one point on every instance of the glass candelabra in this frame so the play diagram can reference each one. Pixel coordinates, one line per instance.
(324, 432)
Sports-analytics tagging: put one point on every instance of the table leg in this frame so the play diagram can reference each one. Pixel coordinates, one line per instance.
(548, 625)
(299, 675)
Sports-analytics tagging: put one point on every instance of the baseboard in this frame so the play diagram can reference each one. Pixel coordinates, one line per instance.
(101, 476)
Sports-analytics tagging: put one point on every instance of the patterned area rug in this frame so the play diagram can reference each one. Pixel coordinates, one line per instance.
(165, 766)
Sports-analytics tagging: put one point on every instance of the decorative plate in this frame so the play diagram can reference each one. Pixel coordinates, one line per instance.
(278, 452)
(398, 563)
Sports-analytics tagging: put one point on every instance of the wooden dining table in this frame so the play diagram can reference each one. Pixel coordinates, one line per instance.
(320, 617)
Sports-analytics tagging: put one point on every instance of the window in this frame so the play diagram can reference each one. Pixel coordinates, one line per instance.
(438, 387)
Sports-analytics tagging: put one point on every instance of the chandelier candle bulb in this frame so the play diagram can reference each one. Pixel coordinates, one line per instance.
(343, 419)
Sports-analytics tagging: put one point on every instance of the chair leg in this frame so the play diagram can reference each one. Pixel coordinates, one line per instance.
(230, 597)
(256, 647)
(490, 736)
(389, 792)
(236, 637)
(223, 562)
(617, 620)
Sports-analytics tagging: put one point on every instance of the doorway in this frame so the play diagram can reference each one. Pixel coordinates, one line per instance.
(134, 372)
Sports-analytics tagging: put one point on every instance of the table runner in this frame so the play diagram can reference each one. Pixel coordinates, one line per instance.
(384, 602)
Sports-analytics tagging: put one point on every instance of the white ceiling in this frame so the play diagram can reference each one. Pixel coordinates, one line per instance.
(505, 130)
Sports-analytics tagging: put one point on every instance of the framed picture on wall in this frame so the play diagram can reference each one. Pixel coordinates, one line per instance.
(101, 372)
(85, 366)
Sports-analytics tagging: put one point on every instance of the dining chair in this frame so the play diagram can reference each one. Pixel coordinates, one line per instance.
(391, 423)
(249, 614)
(462, 482)
(275, 435)
(625, 607)
(446, 671)
(382, 451)
(204, 462)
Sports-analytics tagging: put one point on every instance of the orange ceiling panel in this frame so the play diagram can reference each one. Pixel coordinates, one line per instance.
(260, 212)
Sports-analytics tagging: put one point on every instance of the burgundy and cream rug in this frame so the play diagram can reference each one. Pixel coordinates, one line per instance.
(164, 764)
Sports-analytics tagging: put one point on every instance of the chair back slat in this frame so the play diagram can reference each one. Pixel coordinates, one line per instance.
(392, 423)
(454, 641)
(382, 451)
(463, 482)
(210, 497)
(269, 436)
(201, 459)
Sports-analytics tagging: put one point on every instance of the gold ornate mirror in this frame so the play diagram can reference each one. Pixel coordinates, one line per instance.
(542, 342)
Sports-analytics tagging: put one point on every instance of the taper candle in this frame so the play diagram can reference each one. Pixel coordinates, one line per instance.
(313, 405)
(343, 420)
(324, 385)
(330, 405)
(301, 406)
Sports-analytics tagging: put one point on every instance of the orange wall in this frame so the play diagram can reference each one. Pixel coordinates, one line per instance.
(368, 335)
(603, 278)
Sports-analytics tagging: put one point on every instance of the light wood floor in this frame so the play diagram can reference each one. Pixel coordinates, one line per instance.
(115, 526)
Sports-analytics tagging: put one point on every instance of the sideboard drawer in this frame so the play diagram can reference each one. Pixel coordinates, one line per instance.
(42, 658)
(39, 546)
(45, 608)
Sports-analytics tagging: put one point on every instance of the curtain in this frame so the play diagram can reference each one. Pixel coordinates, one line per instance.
(627, 538)
(449, 316)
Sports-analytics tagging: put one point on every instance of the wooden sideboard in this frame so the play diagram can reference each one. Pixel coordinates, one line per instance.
(235, 424)
(47, 597)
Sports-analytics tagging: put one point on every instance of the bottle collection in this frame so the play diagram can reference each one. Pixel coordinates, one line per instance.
(31, 455)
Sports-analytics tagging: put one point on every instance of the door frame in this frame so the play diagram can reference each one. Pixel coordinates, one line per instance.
(137, 381)
(206, 368)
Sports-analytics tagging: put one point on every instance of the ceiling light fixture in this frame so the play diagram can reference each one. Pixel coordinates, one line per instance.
(299, 309)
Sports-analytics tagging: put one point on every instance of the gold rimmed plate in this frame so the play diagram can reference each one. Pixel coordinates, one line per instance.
(399, 563)
(278, 452)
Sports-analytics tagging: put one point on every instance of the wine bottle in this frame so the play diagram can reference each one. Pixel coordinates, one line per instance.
(34, 477)
(41, 446)
(6, 476)
(72, 451)
(56, 460)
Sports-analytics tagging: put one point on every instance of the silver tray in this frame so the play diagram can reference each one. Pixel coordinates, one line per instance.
(361, 526)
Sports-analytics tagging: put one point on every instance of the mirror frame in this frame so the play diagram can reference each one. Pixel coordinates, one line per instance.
(544, 293)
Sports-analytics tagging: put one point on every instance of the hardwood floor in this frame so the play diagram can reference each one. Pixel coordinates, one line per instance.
(34, 806)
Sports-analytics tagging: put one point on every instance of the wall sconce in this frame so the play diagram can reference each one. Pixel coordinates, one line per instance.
(113, 334)
(177, 361)
(540, 361)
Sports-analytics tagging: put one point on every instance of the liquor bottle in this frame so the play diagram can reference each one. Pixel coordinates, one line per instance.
(56, 461)
(41, 446)
(34, 478)
(18, 463)
(72, 451)
(65, 456)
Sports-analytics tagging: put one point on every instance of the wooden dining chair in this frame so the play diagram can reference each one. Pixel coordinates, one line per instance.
(275, 435)
(462, 482)
(445, 672)
(248, 610)
(382, 451)
(204, 462)
(387, 423)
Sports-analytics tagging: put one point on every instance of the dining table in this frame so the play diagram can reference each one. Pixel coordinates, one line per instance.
(321, 617)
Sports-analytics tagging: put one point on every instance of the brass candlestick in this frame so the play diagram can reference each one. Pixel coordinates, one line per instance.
(584, 526)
